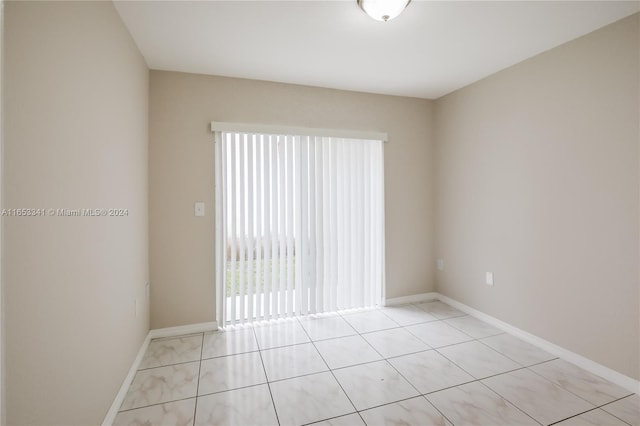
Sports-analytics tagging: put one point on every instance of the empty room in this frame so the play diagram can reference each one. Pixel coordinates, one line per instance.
(337, 212)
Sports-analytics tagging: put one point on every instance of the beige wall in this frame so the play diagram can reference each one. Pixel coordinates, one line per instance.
(537, 181)
(3, 399)
(76, 115)
(181, 171)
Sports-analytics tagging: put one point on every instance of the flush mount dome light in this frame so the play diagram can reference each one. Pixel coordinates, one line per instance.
(383, 10)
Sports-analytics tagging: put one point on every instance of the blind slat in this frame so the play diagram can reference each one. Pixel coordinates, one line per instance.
(301, 170)
(282, 274)
(250, 215)
(234, 223)
(310, 264)
(267, 253)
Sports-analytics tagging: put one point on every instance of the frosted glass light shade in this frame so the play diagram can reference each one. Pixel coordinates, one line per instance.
(383, 10)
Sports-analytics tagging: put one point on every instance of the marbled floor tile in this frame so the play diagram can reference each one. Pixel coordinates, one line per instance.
(518, 350)
(162, 384)
(414, 411)
(309, 399)
(246, 406)
(374, 384)
(536, 396)
(348, 420)
(438, 333)
(372, 320)
(280, 334)
(346, 351)
(439, 309)
(163, 352)
(429, 371)
(407, 314)
(627, 409)
(326, 328)
(292, 361)
(593, 418)
(594, 389)
(473, 326)
(178, 413)
(478, 360)
(221, 343)
(395, 342)
(231, 372)
(475, 404)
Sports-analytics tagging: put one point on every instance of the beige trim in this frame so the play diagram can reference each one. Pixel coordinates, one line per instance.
(303, 131)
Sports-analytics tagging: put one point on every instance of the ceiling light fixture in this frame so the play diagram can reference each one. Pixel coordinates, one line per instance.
(383, 10)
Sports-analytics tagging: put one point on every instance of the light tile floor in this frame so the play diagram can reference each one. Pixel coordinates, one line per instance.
(422, 364)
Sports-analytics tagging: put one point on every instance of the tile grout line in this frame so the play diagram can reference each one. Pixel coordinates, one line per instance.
(576, 415)
(330, 418)
(273, 402)
(608, 403)
(195, 407)
(449, 387)
(167, 365)
(510, 402)
(156, 404)
(232, 389)
(407, 399)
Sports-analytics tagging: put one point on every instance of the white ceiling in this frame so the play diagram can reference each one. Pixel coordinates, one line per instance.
(433, 48)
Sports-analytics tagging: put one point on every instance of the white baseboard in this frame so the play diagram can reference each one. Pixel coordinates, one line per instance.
(629, 383)
(180, 330)
(152, 334)
(416, 298)
(117, 402)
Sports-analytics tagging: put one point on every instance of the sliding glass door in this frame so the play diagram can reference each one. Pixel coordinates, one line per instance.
(300, 224)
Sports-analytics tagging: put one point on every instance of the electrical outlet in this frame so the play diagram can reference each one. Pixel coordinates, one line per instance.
(440, 265)
(489, 278)
(147, 289)
(135, 307)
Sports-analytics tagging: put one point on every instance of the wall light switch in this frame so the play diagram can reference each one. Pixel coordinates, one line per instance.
(199, 208)
(489, 278)
(440, 265)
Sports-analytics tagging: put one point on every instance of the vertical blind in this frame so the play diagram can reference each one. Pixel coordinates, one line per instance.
(300, 225)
